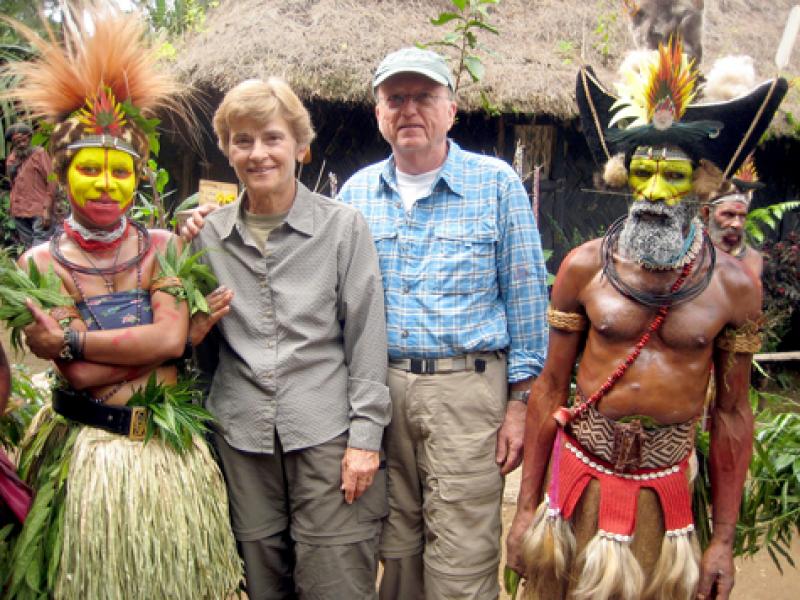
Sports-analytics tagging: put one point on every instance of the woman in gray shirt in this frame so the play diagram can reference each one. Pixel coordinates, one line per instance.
(299, 389)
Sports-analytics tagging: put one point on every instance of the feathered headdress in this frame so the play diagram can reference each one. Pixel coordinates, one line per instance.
(655, 108)
(98, 87)
(741, 186)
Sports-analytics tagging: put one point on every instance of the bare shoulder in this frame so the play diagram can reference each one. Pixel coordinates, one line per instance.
(740, 286)
(577, 270)
(161, 237)
(41, 257)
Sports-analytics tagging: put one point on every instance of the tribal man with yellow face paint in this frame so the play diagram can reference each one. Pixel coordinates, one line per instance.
(604, 509)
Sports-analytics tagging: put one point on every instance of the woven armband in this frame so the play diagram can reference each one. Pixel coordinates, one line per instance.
(170, 285)
(65, 314)
(566, 321)
(744, 340)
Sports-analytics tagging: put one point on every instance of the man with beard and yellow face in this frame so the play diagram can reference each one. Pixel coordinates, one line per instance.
(645, 311)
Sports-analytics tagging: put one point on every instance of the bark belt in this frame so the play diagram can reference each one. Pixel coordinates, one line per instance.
(130, 421)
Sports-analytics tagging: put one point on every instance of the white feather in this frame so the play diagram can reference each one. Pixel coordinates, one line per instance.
(788, 38)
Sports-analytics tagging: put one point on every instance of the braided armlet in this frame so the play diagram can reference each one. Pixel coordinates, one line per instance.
(65, 314)
(566, 321)
(170, 285)
(744, 340)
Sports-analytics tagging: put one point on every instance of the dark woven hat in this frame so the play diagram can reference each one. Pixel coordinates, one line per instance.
(722, 132)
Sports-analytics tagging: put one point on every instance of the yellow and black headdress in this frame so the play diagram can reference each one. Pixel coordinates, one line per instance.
(654, 108)
(98, 86)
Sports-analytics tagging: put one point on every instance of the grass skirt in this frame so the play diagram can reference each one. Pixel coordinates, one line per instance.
(141, 520)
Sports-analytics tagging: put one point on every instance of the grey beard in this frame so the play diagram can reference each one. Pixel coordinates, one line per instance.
(717, 235)
(653, 234)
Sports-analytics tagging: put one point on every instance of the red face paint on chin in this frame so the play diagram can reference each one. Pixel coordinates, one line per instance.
(99, 213)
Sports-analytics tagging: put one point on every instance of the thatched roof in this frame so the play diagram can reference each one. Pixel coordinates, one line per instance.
(329, 48)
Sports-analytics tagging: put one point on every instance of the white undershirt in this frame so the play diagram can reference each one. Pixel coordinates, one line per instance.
(414, 187)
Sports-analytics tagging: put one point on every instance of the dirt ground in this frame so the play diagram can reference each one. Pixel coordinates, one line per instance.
(756, 578)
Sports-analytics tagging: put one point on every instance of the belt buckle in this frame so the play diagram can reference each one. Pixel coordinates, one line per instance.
(138, 427)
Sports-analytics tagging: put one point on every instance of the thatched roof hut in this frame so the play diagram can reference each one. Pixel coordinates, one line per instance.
(328, 49)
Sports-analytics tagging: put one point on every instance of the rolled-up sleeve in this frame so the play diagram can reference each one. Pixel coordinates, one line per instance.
(361, 312)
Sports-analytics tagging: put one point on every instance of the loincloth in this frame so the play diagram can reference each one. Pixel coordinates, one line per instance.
(603, 533)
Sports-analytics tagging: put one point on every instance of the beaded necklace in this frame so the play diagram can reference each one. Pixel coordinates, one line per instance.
(564, 415)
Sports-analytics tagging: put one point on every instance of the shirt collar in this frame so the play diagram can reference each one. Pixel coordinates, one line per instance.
(300, 217)
(451, 173)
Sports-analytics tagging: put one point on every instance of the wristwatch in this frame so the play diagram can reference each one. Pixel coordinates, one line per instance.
(522, 396)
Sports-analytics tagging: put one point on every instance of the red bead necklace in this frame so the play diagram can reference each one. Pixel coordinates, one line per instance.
(564, 415)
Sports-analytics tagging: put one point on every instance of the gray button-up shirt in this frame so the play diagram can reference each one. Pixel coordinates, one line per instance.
(303, 349)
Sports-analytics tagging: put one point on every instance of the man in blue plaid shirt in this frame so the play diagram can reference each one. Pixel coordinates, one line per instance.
(465, 292)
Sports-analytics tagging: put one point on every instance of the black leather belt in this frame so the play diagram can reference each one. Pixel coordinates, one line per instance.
(130, 421)
(431, 366)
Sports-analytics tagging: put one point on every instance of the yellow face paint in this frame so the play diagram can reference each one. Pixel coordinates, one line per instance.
(101, 184)
(665, 180)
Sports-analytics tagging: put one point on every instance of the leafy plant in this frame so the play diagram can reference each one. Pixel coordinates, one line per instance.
(781, 281)
(566, 51)
(196, 278)
(770, 511)
(27, 397)
(603, 32)
(16, 286)
(760, 219)
(174, 413)
(468, 18)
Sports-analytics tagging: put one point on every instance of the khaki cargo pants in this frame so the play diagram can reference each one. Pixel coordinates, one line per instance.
(442, 536)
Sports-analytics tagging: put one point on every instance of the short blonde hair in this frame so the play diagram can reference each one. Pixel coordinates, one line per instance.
(261, 101)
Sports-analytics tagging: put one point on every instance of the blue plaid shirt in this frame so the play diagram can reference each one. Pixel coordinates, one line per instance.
(463, 271)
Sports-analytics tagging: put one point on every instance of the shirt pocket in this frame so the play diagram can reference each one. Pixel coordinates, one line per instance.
(462, 259)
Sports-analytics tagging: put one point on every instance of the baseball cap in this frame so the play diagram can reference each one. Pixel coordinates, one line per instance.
(414, 60)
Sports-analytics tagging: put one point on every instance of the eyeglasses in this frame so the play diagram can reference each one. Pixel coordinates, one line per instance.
(423, 99)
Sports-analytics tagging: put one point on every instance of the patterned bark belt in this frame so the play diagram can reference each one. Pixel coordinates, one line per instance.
(630, 446)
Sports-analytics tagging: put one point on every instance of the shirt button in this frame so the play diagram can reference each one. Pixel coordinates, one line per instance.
(405, 289)
(404, 333)
(398, 204)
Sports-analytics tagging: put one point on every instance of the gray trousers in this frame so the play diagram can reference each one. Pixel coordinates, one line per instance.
(297, 536)
(30, 231)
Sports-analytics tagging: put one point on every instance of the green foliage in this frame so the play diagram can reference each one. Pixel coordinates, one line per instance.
(770, 512)
(150, 209)
(759, 219)
(174, 413)
(8, 239)
(8, 109)
(26, 399)
(781, 281)
(566, 50)
(175, 17)
(604, 34)
(37, 552)
(196, 278)
(467, 18)
(769, 515)
(16, 286)
(511, 580)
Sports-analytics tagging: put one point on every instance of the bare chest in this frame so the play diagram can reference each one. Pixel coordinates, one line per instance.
(620, 320)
